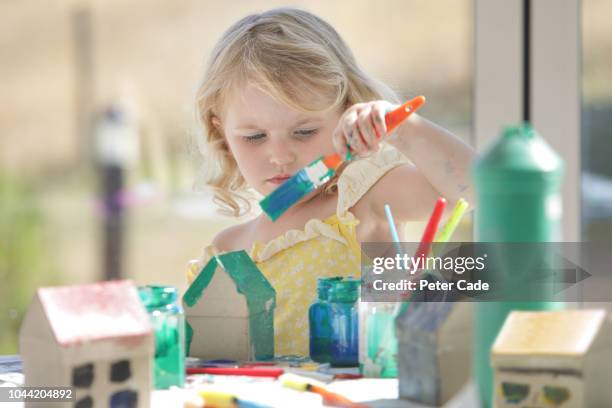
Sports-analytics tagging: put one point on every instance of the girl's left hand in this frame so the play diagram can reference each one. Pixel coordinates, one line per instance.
(361, 128)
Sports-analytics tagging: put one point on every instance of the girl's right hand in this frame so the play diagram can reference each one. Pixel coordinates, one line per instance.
(361, 128)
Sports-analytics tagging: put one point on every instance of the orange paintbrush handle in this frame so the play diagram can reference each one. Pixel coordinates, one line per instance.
(333, 399)
(397, 116)
(392, 120)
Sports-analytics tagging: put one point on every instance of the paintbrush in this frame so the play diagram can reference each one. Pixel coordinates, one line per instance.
(220, 399)
(324, 168)
(329, 398)
(451, 225)
(424, 247)
(430, 232)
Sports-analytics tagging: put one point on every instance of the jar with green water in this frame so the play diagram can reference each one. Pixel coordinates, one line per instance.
(377, 339)
(168, 322)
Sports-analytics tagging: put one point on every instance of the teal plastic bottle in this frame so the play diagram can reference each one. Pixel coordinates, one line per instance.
(517, 183)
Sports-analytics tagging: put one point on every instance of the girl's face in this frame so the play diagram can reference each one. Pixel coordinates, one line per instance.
(272, 141)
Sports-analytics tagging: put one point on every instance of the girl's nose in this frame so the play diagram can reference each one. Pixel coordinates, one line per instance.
(281, 154)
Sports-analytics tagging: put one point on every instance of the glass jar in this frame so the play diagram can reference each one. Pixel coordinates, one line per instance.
(320, 322)
(168, 321)
(344, 348)
(377, 339)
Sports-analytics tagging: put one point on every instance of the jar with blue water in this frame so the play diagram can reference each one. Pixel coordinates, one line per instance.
(168, 321)
(319, 319)
(343, 296)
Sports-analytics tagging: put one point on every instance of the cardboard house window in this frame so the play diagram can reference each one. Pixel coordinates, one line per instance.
(86, 402)
(120, 371)
(514, 393)
(83, 375)
(124, 399)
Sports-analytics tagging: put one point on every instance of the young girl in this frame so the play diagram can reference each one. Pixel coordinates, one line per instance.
(281, 89)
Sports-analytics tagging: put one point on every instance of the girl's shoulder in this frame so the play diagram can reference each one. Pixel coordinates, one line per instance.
(233, 238)
(227, 240)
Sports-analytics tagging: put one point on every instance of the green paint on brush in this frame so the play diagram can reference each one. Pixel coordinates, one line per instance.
(298, 186)
(287, 194)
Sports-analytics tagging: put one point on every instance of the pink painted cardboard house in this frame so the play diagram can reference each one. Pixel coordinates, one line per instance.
(96, 338)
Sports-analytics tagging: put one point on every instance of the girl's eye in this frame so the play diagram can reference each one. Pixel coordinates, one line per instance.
(305, 133)
(254, 138)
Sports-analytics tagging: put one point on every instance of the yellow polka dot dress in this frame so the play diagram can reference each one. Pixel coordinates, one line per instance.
(294, 261)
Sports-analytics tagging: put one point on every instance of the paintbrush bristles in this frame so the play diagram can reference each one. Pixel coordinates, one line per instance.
(297, 187)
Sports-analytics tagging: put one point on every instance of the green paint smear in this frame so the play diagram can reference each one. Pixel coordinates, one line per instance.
(250, 282)
(188, 337)
(261, 301)
(514, 393)
(196, 289)
(556, 395)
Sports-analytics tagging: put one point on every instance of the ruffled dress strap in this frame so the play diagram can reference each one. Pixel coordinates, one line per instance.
(359, 176)
(314, 227)
(356, 179)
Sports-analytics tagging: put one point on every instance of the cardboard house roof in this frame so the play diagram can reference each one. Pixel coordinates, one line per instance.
(93, 312)
(556, 333)
(553, 340)
(249, 281)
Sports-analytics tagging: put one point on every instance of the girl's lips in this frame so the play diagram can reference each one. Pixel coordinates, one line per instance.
(280, 179)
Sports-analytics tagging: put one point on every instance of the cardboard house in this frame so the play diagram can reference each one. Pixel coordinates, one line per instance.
(434, 350)
(96, 338)
(553, 359)
(229, 309)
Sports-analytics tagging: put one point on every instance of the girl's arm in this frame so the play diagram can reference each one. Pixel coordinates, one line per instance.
(441, 161)
(441, 157)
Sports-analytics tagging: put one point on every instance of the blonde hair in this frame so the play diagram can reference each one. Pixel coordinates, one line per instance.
(286, 53)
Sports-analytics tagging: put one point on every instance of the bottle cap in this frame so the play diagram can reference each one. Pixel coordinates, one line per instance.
(519, 160)
(345, 291)
(323, 286)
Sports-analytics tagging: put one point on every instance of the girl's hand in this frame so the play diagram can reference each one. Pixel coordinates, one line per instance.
(361, 128)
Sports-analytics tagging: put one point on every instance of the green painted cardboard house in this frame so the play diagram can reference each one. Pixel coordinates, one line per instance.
(229, 309)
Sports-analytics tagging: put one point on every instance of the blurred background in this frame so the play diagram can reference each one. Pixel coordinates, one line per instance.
(99, 162)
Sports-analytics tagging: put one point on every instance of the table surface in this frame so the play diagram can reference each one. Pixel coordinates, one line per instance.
(375, 392)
